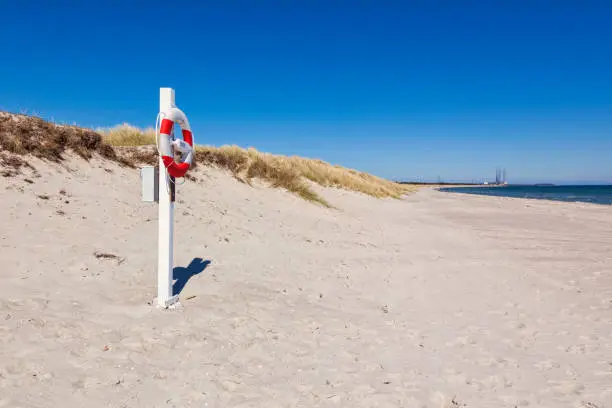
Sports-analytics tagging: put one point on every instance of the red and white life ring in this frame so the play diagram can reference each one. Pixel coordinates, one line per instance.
(169, 117)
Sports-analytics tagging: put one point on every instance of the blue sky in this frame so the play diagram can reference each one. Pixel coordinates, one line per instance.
(403, 89)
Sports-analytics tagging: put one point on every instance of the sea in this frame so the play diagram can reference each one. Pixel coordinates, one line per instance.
(585, 194)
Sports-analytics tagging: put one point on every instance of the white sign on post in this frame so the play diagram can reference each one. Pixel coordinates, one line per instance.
(165, 298)
(149, 184)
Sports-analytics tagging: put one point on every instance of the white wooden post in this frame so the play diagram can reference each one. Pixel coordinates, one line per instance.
(166, 222)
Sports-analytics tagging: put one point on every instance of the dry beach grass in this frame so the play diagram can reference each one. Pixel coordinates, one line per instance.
(127, 135)
(21, 134)
(281, 171)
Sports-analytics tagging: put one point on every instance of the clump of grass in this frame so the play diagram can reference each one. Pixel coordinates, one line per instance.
(329, 175)
(12, 164)
(20, 135)
(283, 170)
(246, 165)
(127, 135)
(290, 172)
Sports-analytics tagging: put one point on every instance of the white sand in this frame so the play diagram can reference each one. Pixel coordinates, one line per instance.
(437, 300)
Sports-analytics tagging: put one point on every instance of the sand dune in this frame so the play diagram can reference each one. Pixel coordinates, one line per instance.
(434, 300)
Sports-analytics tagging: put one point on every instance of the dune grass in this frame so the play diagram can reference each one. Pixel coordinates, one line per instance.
(21, 134)
(127, 135)
(286, 172)
(246, 165)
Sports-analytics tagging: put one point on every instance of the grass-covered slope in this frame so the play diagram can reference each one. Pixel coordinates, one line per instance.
(22, 135)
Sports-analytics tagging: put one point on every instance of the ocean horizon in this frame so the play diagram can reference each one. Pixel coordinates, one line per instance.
(595, 194)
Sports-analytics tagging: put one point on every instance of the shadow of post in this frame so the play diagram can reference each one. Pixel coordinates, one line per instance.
(181, 275)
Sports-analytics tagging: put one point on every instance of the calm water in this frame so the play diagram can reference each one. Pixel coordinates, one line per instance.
(586, 194)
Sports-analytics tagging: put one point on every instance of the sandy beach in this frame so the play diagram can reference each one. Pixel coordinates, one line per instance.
(434, 300)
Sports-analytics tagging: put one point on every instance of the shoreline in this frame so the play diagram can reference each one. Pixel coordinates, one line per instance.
(530, 199)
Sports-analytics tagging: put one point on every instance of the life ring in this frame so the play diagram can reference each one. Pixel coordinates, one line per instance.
(167, 146)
